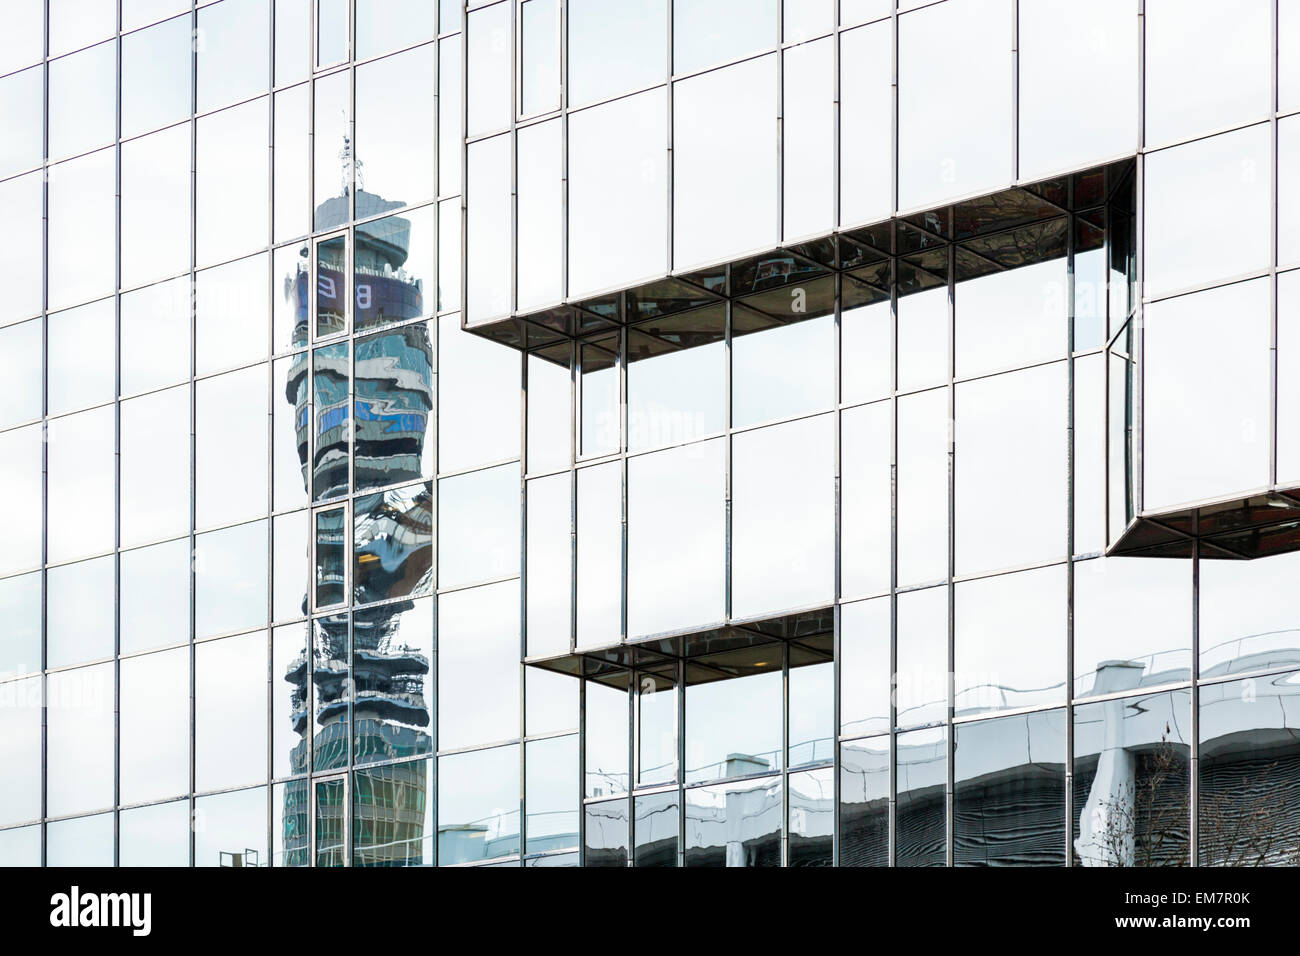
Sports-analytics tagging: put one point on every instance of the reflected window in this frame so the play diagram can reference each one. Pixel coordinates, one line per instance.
(290, 698)
(393, 269)
(392, 815)
(783, 558)
(331, 557)
(922, 772)
(656, 824)
(333, 432)
(864, 802)
(1131, 784)
(478, 805)
(812, 818)
(676, 539)
(606, 834)
(394, 405)
(734, 824)
(478, 666)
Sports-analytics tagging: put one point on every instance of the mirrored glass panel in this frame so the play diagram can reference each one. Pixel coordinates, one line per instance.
(20, 744)
(230, 829)
(676, 378)
(865, 678)
(156, 336)
(157, 64)
(1248, 621)
(488, 226)
(230, 711)
(549, 566)
(333, 146)
(478, 805)
(155, 836)
(290, 698)
(550, 410)
(864, 802)
(84, 841)
(230, 447)
(155, 596)
(656, 823)
(478, 666)
(478, 531)
(606, 834)
(20, 471)
(734, 824)
(21, 246)
(491, 50)
(812, 818)
(600, 555)
(155, 206)
(551, 799)
(392, 655)
(384, 25)
(82, 259)
(921, 682)
(291, 202)
(866, 104)
(734, 714)
(808, 138)
(478, 394)
(154, 726)
(230, 579)
(20, 608)
(615, 49)
(80, 483)
(395, 160)
(83, 105)
(811, 688)
(920, 815)
(783, 356)
(922, 495)
(607, 736)
(231, 315)
(393, 269)
(81, 369)
(79, 615)
(231, 43)
(866, 488)
(392, 542)
(331, 398)
(79, 740)
(540, 213)
(392, 815)
(231, 190)
(709, 32)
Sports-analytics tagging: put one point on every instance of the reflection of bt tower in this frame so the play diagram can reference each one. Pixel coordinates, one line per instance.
(385, 414)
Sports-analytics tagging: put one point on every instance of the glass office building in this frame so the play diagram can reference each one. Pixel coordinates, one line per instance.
(650, 432)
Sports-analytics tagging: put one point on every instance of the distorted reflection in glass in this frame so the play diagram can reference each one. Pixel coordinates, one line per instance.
(156, 336)
(811, 689)
(392, 540)
(866, 478)
(155, 206)
(230, 427)
(676, 547)
(1247, 758)
(157, 64)
(551, 766)
(333, 424)
(291, 823)
(230, 829)
(921, 691)
(606, 736)
(734, 713)
(606, 833)
(864, 802)
(79, 740)
(20, 513)
(331, 683)
(922, 760)
(155, 596)
(478, 666)
(615, 49)
(394, 156)
(1248, 620)
(478, 526)
(392, 815)
(231, 42)
(230, 579)
(734, 824)
(600, 555)
(655, 827)
(231, 190)
(20, 746)
(332, 550)
(81, 369)
(1009, 802)
(393, 267)
(1132, 799)
(549, 566)
(289, 701)
(155, 836)
(230, 315)
(783, 557)
(82, 105)
(812, 817)
(392, 654)
(725, 162)
(154, 726)
(478, 805)
(21, 608)
(80, 484)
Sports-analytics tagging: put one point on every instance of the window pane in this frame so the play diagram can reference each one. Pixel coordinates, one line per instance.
(633, 190)
(1131, 788)
(488, 229)
(155, 836)
(330, 405)
(394, 403)
(83, 223)
(156, 68)
(736, 824)
(812, 817)
(393, 269)
(1011, 424)
(1094, 70)
(676, 539)
(550, 794)
(657, 730)
(550, 566)
(541, 214)
(394, 154)
(291, 544)
(550, 411)
(155, 206)
(1132, 623)
(231, 191)
(866, 105)
(1229, 176)
(783, 364)
(600, 408)
(478, 535)
(79, 748)
(1204, 69)
(478, 805)
(921, 694)
(20, 608)
(290, 699)
(920, 815)
(20, 745)
(1010, 641)
(866, 489)
(230, 579)
(82, 361)
(478, 393)
(552, 703)
(676, 378)
(231, 315)
(155, 596)
(22, 245)
(1288, 188)
(1012, 318)
(811, 685)
(1205, 428)
(79, 618)
(229, 827)
(85, 841)
(725, 160)
(392, 654)
(923, 324)
(734, 714)
(607, 736)
(808, 139)
(802, 19)
(230, 447)
(81, 485)
(392, 815)
(290, 160)
(1009, 802)
(606, 834)
(708, 32)
(864, 802)
(83, 104)
(155, 726)
(393, 544)
(539, 44)
(230, 711)
(289, 431)
(333, 145)
(22, 845)
(332, 290)
(22, 44)
(450, 134)
(954, 139)
(231, 43)
(384, 25)
(1248, 620)
(600, 555)
(1288, 376)
(73, 24)
(783, 557)
(20, 511)
(923, 436)
(656, 822)
(156, 336)
(865, 679)
(478, 666)
(331, 557)
(331, 31)
(613, 49)
(491, 50)
(292, 41)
